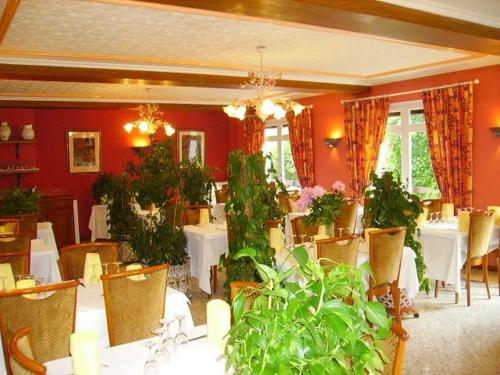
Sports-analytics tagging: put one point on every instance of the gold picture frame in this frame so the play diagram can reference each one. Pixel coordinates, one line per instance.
(84, 151)
(191, 145)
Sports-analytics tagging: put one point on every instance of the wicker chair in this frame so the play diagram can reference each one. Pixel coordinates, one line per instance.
(73, 257)
(480, 230)
(338, 250)
(299, 228)
(16, 250)
(292, 202)
(22, 361)
(27, 223)
(51, 319)
(393, 347)
(192, 213)
(9, 226)
(221, 195)
(433, 205)
(250, 288)
(347, 216)
(134, 307)
(386, 253)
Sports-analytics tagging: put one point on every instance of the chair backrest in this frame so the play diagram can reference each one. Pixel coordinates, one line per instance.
(299, 227)
(236, 286)
(221, 195)
(27, 223)
(292, 202)
(480, 230)
(16, 250)
(433, 205)
(393, 347)
(338, 250)
(73, 257)
(347, 216)
(386, 252)
(22, 360)
(283, 201)
(51, 318)
(192, 213)
(134, 307)
(9, 226)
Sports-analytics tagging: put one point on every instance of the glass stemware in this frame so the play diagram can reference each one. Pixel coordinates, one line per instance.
(105, 265)
(94, 279)
(181, 337)
(151, 365)
(4, 279)
(117, 265)
(340, 231)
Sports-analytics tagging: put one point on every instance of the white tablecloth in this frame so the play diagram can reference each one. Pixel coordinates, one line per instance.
(408, 277)
(196, 358)
(205, 245)
(44, 255)
(445, 251)
(91, 314)
(97, 222)
(45, 233)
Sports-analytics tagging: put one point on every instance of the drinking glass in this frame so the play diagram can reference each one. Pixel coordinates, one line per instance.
(4, 279)
(94, 279)
(340, 231)
(181, 337)
(117, 264)
(105, 265)
(151, 365)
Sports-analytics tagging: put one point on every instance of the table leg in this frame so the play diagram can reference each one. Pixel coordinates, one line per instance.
(457, 297)
(213, 271)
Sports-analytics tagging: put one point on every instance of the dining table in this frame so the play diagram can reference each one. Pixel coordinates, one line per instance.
(195, 357)
(444, 249)
(98, 225)
(205, 245)
(44, 255)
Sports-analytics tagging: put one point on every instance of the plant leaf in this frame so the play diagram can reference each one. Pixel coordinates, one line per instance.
(376, 314)
(300, 253)
(246, 252)
(239, 306)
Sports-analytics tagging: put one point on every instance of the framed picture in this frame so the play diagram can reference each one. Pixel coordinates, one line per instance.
(191, 145)
(84, 151)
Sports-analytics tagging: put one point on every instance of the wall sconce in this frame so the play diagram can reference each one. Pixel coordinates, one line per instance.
(332, 142)
(496, 130)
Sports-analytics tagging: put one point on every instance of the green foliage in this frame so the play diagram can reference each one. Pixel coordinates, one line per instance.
(325, 327)
(156, 173)
(390, 205)
(249, 209)
(196, 181)
(422, 171)
(325, 209)
(394, 159)
(103, 187)
(20, 201)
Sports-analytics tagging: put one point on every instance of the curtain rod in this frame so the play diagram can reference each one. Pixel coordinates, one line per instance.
(476, 81)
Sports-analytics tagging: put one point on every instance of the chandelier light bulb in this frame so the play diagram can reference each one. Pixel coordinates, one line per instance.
(297, 108)
(240, 112)
(279, 112)
(143, 127)
(128, 127)
(169, 130)
(267, 107)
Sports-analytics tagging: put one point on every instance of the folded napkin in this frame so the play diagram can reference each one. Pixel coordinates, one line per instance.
(93, 269)
(204, 216)
(496, 214)
(135, 266)
(276, 239)
(422, 218)
(463, 221)
(218, 323)
(25, 284)
(85, 356)
(447, 211)
(7, 277)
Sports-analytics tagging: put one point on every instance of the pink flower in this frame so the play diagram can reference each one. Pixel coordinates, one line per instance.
(338, 186)
(308, 194)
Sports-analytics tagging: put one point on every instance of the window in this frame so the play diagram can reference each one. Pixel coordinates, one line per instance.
(405, 150)
(277, 143)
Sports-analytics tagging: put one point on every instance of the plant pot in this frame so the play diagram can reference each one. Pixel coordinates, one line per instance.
(179, 277)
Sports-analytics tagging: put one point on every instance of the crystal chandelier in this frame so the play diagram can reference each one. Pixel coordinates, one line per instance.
(150, 120)
(264, 107)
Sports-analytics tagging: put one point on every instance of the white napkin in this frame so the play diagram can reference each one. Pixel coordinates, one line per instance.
(422, 218)
(135, 266)
(463, 221)
(276, 239)
(204, 216)
(25, 284)
(7, 277)
(85, 355)
(93, 267)
(218, 323)
(447, 211)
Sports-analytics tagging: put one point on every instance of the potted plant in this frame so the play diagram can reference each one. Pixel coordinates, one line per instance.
(102, 188)
(196, 182)
(24, 204)
(326, 326)
(388, 204)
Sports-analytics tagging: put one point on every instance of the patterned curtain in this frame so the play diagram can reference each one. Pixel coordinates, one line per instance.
(253, 134)
(365, 122)
(301, 141)
(448, 118)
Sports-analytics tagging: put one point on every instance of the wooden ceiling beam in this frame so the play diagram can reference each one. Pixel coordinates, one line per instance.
(361, 16)
(9, 11)
(139, 77)
(52, 104)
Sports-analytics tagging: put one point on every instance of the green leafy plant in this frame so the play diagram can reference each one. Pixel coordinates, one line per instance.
(325, 209)
(20, 201)
(155, 174)
(388, 205)
(249, 213)
(326, 326)
(103, 187)
(196, 182)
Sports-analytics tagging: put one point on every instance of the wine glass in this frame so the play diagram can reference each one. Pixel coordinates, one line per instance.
(181, 337)
(105, 265)
(340, 231)
(94, 279)
(151, 365)
(117, 264)
(4, 279)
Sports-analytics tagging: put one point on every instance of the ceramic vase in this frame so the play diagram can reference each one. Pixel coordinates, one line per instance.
(27, 132)
(4, 131)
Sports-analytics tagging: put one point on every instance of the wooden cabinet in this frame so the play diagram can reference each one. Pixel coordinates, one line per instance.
(58, 210)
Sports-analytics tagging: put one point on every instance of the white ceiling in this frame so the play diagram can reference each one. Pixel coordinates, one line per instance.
(126, 35)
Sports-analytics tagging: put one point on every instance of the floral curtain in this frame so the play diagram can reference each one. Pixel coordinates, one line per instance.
(253, 134)
(301, 141)
(448, 118)
(365, 122)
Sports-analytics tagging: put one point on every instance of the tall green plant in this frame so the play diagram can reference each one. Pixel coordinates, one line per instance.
(325, 325)
(390, 205)
(196, 182)
(103, 187)
(248, 215)
(20, 201)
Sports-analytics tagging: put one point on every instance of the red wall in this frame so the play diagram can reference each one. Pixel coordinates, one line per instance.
(327, 116)
(50, 152)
